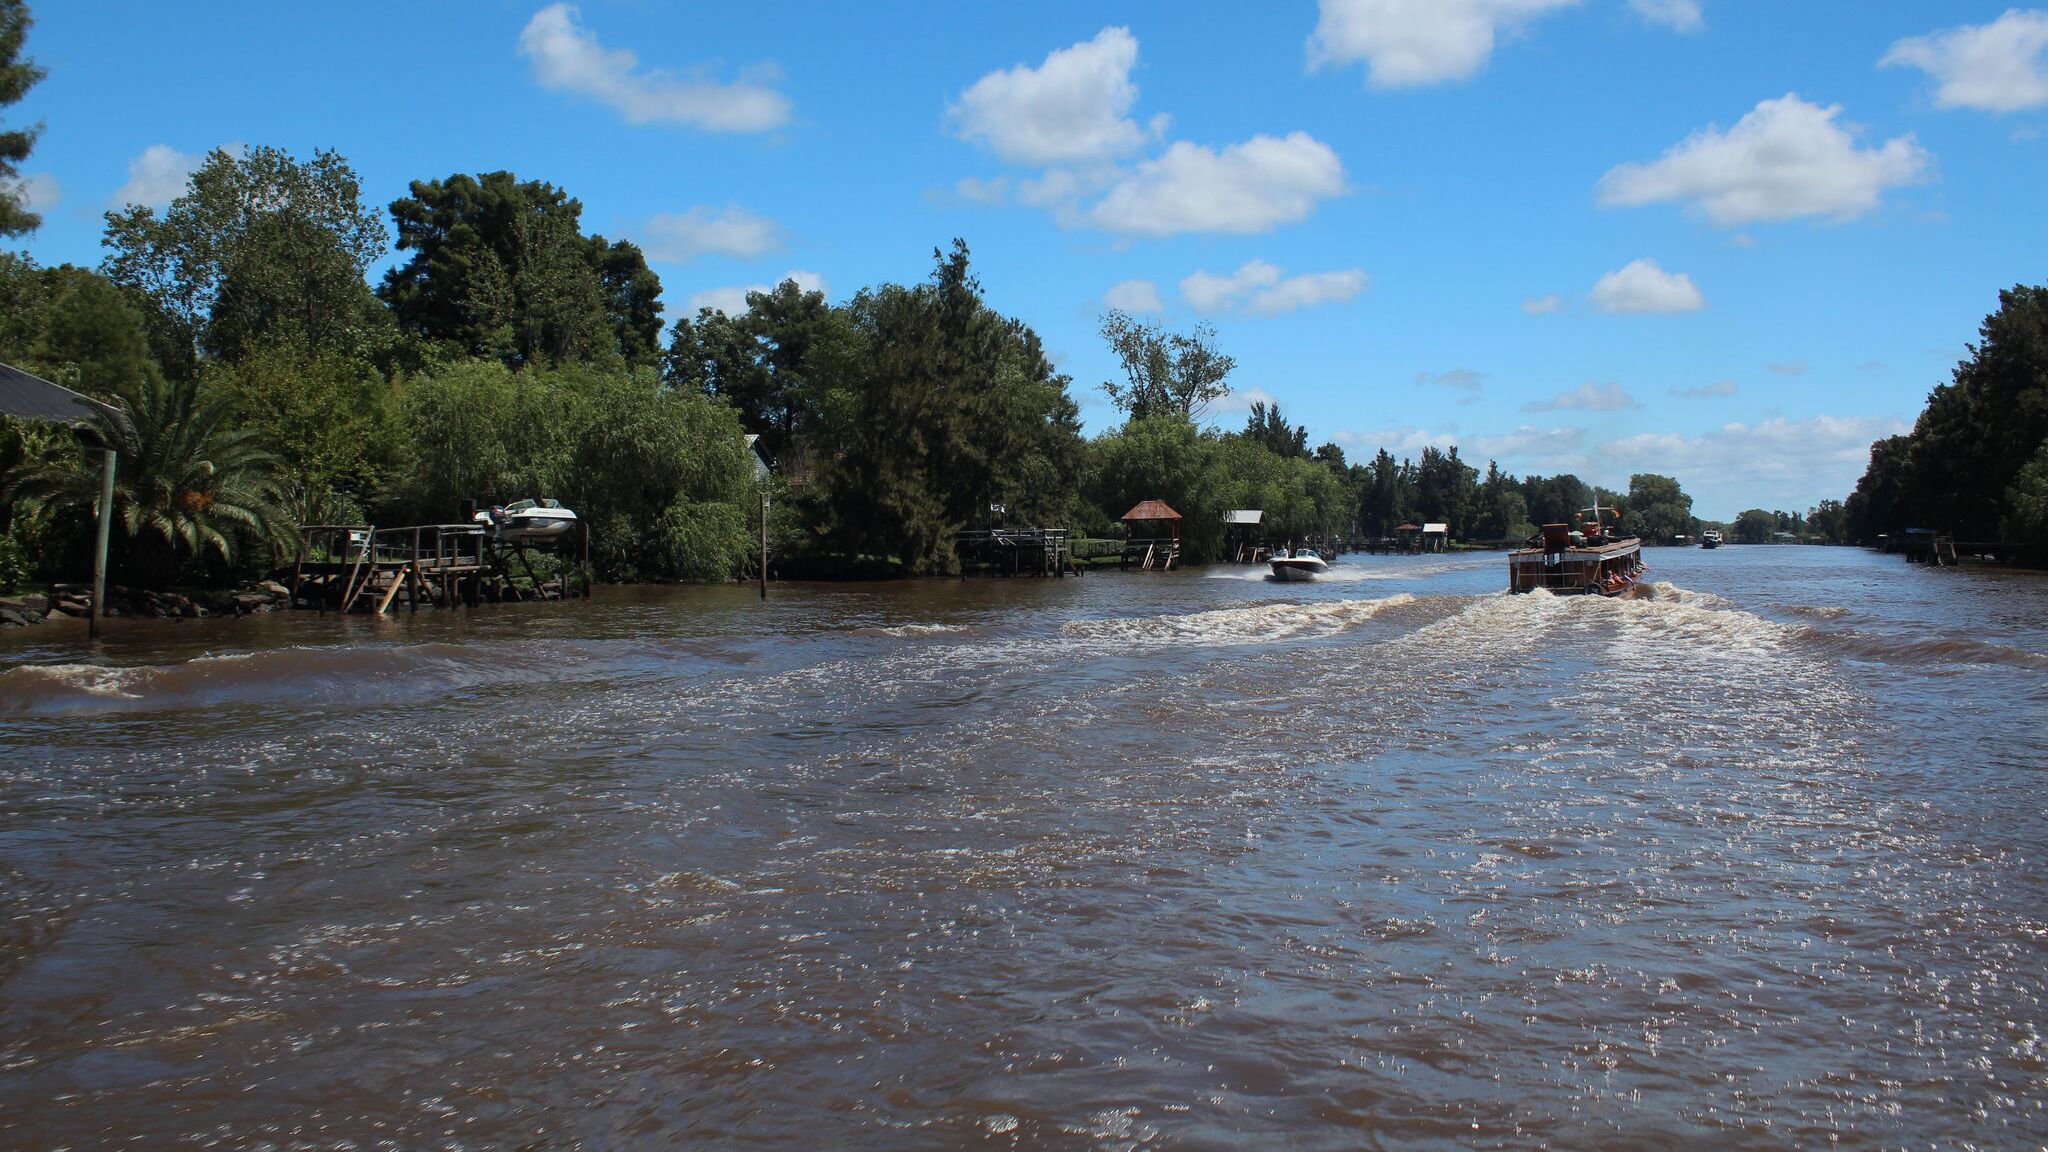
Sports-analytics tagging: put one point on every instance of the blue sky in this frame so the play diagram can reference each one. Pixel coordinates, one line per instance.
(1729, 240)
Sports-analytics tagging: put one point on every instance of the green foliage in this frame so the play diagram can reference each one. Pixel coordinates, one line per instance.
(773, 363)
(17, 76)
(1165, 372)
(1828, 521)
(1961, 468)
(476, 430)
(945, 409)
(1755, 526)
(1269, 429)
(2025, 522)
(330, 419)
(501, 268)
(190, 482)
(1658, 508)
(260, 249)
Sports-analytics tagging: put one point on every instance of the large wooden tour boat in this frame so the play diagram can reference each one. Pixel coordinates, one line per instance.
(1594, 557)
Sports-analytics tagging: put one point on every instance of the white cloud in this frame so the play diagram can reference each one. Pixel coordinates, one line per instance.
(157, 176)
(1531, 449)
(1678, 15)
(1134, 296)
(1072, 108)
(679, 236)
(1644, 287)
(1262, 289)
(1786, 158)
(1249, 187)
(1793, 367)
(1407, 43)
(732, 300)
(980, 191)
(1705, 391)
(1457, 379)
(38, 192)
(1406, 440)
(1588, 397)
(1997, 67)
(568, 58)
(1542, 305)
(1776, 463)
(1241, 400)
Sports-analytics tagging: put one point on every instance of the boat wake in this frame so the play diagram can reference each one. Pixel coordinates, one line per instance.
(1248, 624)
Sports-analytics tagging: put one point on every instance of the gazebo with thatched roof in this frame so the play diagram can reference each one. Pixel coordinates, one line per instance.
(1154, 539)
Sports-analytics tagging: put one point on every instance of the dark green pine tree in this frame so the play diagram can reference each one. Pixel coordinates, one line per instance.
(17, 76)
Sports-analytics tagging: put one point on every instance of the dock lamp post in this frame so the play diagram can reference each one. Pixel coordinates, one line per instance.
(31, 397)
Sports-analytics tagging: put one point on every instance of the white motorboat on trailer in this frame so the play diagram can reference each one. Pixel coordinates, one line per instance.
(529, 521)
(1303, 565)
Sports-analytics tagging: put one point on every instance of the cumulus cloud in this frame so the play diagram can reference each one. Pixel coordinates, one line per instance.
(1134, 296)
(1250, 187)
(157, 176)
(1774, 463)
(567, 57)
(732, 300)
(1532, 449)
(1678, 15)
(1588, 397)
(679, 236)
(1705, 391)
(1075, 107)
(1644, 287)
(1457, 380)
(1406, 440)
(1542, 305)
(1263, 289)
(1785, 159)
(1409, 43)
(1997, 67)
(1240, 400)
(1793, 367)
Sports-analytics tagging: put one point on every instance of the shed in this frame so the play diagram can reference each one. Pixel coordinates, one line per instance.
(1244, 535)
(31, 397)
(1435, 535)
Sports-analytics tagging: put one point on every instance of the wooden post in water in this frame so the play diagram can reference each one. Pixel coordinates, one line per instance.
(764, 542)
(99, 551)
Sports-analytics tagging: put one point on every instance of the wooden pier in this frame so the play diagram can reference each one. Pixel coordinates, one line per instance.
(1017, 551)
(364, 568)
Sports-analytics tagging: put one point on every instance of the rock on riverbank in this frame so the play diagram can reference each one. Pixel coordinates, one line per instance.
(76, 600)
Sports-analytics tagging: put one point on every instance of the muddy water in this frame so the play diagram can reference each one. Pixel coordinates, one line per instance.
(1192, 861)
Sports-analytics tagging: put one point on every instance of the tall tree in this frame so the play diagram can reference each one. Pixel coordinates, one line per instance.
(500, 267)
(17, 76)
(1658, 508)
(772, 362)
(1267, 427)
(1165, 372)
(261, 248)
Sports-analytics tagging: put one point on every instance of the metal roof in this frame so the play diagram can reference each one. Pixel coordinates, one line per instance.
(1152, 510)
(1243, 516)
(1437, 526)
(31, 396)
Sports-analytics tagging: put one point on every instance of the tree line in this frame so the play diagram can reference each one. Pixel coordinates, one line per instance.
(1975, 464)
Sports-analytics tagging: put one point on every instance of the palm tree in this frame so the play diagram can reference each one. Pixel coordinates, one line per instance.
(188, 484)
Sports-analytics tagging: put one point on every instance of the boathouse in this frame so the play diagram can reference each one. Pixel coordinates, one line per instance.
(1153, 542)
(1436, 536)
(1244, 535)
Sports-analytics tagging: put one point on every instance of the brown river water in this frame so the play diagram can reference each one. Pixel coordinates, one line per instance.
(1196, 860)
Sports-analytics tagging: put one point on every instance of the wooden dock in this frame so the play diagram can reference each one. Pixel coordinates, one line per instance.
(1151, 553)
(364, 568)
(1017, 552)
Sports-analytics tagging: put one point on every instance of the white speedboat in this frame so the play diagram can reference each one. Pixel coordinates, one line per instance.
(1303, 565)
(529, 521)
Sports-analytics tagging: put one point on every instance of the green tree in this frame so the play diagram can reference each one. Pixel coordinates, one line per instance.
(1658, 508)
(261, 248)
(501, 268)
(2025, 523)
(331, 420)
(190, 483)
(17, 76)
(1755, 526)
(773, 363)
(1267, 427)
(1828, 520)
(1165, 372)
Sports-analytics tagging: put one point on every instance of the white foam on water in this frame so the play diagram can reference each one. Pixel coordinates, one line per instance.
(1245, 624)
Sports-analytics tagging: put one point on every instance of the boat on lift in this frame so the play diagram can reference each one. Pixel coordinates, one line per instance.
(1299, 567)
(1595, 558)
(529, 521)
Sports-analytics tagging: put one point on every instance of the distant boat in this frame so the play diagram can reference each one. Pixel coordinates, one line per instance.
(1710, 539)
(1302, 566)
(529, 521)
(1594, 558)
